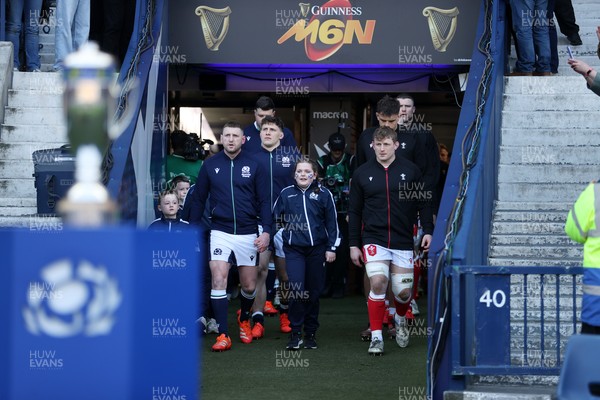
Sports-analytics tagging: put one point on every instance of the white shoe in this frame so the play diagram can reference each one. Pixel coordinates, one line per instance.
(414, 307)
(402, 333)
(203, 324)
(376, 347)
(212, 326)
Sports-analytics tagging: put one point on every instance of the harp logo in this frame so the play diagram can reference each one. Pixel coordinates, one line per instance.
(215, 24)
(442, 26)
(331, 26)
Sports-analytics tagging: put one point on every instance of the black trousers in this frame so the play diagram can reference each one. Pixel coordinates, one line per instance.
(118, 26)
(590, 329)
(337, 270)
(565, 15)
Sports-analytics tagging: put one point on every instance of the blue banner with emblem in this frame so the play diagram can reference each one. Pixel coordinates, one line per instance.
(107, 314)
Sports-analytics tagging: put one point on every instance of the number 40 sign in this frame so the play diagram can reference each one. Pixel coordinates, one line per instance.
(495, 299)
(492, 318)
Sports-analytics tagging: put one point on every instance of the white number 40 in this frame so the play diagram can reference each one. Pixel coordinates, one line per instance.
(498, 298)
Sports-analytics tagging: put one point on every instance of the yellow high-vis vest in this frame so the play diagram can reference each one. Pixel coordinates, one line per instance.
(583, 226)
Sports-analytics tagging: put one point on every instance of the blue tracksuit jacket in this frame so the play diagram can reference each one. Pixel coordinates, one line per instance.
(279, 165)
(308, 216)
(237, 195)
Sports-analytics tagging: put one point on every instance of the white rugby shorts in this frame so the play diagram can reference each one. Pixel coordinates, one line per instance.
(222, 245)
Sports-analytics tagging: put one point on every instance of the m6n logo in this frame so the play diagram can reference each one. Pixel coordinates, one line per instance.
(331, 26)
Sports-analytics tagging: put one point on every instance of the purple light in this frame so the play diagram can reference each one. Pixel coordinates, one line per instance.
(345, 67)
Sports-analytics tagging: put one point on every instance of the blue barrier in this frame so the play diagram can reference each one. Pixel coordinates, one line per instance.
(2, 20)
(461, 235)
(492, 340)
(106, 314)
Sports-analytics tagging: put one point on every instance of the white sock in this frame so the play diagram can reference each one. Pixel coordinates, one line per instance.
(376, 335)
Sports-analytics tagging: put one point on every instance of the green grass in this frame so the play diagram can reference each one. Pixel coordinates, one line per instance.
(339, 369)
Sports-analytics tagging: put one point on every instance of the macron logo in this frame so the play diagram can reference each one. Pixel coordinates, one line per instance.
(370, 178)
(217, 170)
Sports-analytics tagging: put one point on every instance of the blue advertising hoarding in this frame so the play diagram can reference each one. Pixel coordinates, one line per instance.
(106, 314)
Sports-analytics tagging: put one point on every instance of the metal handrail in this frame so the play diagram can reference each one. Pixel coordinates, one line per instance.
(491, 316)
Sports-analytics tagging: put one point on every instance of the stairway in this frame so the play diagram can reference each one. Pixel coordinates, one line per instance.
(550, 141)
(548, 154)
(33, 121)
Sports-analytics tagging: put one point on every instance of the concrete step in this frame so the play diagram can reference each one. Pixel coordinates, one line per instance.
(549, 119)
(588, 48)
(532, 191)
(565, 70)
(530, 217)
(47, 58)
(48, 48)
(33, 222)
(521, 380)
(34, 133)
(564, 252)
(46, 39)
(537, 100)
(531, 206)
(38, 81)
(18, 202)
(18, 187)
(567, 84)
(511, 239)
(33, 116)
(524, 262)
(525, 228)
(47, 68)
(18, 206)
(500, 393)
(556, 154)
(24, 151)
(26, 98)
(17, 211)
(582, 9)
(16, 169)
(547, 173)
(544, 137)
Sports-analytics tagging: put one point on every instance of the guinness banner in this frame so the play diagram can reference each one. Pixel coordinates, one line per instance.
(389, 32)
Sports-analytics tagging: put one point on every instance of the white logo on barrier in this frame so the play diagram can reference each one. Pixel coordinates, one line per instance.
(71, 301)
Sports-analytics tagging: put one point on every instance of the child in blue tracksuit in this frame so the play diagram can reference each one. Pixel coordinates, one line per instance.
(307, 213)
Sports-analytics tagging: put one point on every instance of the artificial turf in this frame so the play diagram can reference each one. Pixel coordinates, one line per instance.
(339, 369)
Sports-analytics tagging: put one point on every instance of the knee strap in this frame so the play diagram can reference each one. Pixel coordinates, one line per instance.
(377, 268)
(401, 282)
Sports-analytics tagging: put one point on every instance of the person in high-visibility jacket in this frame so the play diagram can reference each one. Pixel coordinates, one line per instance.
(583, 226)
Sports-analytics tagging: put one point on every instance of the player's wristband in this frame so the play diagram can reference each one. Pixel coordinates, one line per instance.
(588, 72)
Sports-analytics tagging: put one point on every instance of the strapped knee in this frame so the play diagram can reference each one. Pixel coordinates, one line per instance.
(401, 282)
(377, 268)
